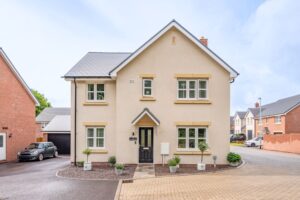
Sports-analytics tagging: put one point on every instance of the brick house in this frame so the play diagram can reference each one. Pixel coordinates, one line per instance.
(17, 116)
(280, 125)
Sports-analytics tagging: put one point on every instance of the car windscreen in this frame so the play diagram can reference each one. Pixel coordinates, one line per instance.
(35, 146)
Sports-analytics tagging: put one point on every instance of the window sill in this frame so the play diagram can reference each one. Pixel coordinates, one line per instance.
(147, 99)
(191, 152)
(99, 151)
(192, 102)
(97, 103)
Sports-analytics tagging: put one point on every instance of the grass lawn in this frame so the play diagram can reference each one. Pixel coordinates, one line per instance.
(237, 144)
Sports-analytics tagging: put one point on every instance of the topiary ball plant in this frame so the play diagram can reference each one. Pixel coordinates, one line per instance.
(172, 163)
(233, 157)
(177, 159)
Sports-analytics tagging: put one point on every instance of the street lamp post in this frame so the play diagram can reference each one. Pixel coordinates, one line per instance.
(260, 121)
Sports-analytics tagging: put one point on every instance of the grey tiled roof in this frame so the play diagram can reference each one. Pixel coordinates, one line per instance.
(281, 106)
(254, 111)
(241, 114)
(97, 64)
(49, 113)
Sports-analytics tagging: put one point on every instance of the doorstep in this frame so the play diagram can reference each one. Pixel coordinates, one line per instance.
(144, 171)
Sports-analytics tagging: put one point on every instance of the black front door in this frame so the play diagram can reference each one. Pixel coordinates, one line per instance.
(146, 145)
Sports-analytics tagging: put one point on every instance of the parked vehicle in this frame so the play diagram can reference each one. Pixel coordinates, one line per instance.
(238, 137)
(255, 142)
(38, 151)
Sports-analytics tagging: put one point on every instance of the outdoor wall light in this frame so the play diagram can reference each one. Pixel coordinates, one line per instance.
(10, 135)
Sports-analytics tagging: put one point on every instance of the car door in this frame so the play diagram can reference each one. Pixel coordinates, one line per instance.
(47, 150)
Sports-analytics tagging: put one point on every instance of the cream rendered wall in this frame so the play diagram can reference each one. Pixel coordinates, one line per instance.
(165, 59)
(93, 114)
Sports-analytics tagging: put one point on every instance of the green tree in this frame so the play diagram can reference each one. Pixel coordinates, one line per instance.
(44, 103)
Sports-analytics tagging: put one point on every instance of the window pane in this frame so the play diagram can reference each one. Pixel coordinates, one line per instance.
(182, 84)
(181, 143)
(90, 132)
(181, 132)
(202, 84)
(91, 87)
(192, 84)
(202, 93)
(100, 95)
(191, 132)
(99, 142)
(142, 141)
(90, 95)
(201, 133)
(191, 143)
(192, 93)
(1, 140)
(147, 83)
(90, 142)
(100, 132)
(149, 138)
(182, 94)
(100, 87)
(147, 91)
(201, 140)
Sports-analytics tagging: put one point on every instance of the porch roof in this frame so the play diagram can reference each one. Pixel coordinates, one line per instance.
(146, 112)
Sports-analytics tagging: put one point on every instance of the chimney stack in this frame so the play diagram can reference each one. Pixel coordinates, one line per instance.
(256, 105)
(204, 41)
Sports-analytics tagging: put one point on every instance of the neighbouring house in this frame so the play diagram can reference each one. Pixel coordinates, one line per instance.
(170, 94)
(280, 125)
(250, 122)
(231, 125)
(55, 126)
(239, 122)
(17, 111)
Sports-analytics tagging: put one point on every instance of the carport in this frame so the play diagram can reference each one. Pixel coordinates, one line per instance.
(58, 132)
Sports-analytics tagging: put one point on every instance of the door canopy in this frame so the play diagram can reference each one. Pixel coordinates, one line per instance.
(146, 118)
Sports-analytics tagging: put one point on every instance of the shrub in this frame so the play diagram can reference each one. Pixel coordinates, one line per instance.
(80, 163)
(177, 159)
(233, 157)
(172, 162)
(112, 160)
(119, 166)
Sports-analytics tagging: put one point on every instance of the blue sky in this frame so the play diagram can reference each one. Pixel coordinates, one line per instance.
(260, 39)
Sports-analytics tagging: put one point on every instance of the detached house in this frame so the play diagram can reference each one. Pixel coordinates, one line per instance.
(250, 116)
(17, 111)
(239, 122)
(172, 92)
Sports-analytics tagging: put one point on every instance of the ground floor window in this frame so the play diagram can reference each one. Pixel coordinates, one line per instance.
(95, 137)
(190, 137)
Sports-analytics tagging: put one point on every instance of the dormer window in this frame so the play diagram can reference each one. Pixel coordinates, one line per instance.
(147, 87)
(95, 92)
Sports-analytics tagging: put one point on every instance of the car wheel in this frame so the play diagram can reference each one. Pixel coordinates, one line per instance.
(252, 145)
(55, 154)
(41, 157)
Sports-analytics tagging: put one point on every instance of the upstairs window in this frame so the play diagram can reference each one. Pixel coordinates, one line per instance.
(95, 92)
(192, 89)
(147, 87)
(277, 119)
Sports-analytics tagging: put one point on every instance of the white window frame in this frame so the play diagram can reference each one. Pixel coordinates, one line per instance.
(94, 92)
(187, 148)
(144, 87)
(276, 121)
(188, 89)
(95, 138)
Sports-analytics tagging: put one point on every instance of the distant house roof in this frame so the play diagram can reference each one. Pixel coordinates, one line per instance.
(231, 120)
(59, 124)
(281, 106)
(254, 111)
(94, 65)
(19, 77)
(241, 114)
(49, 113)
(97, 64)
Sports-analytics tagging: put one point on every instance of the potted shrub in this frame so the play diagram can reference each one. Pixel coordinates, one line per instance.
(119, 168)
(112, 161)
(234, 159)
(80, 163)
(172, 165)
(177, 159)
(87, 166)
(202, 147)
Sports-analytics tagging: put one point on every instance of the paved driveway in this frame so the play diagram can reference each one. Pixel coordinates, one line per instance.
(37, 180)
(267, 175)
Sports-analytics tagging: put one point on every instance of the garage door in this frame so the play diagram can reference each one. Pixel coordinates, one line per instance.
(61, 141)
